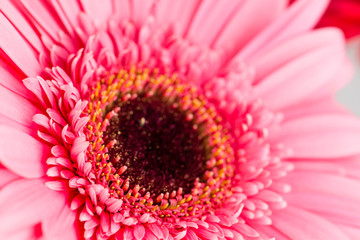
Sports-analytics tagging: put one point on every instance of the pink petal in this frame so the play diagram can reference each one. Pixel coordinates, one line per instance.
(322, 136)
(156, 230)
(342, 77)
(191, 235)
(46, 21)
(17, 108)
(324, 183)
(29, 162)
(139, 231)
(299, 224)
(99, 11)
(245, 230)
(60, 225)
(178, 13)
(204, 26)
(6, 177)
(274, 58)
(10, 79)
(17, 49)
(266, 232)
(302, 16)
(22, 24)
(140, 10)
(28, 233)
(70, 10)
(352, 232)
(58, 185)
(4, 120)
(337, 208)
(205, 234)
(26, 202)
(257, 12)
(294, 81)
(324, 105)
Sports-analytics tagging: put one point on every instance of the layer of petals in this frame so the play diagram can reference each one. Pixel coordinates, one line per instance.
(16, 107)
(247, 22)
(22, 153)
(25, 203)
(60, 225)
(274, 58)
(17, 49)
(301, 77)
(6, 177)
(321, 136)
(299, 224)
(300, 17)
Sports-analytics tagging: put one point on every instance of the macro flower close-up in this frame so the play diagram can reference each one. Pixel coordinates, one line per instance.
(175, 119)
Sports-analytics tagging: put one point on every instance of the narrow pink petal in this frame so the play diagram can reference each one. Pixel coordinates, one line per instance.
(139, 232)
(70, 9)
(178, 13)
(60, 225)
(321, 136)
(31, 130)
(324, 183)
(259, 13)
(322, 100)
(302, 16)
(22, 25)
(191, 235)
(65, 18)
(245, 230)
(121, 9)
(16, 107)
(266, 232)
(99, 11)
(156, 230)
(58, 185)
(6, 177)
(352, 232)
(324, 105)
(205, 234)
(342, 77)
(294, 81)
(25, 203)
(204, 26)
(150, 236)
(11, 79)
(339, 208)
(28, 233)
(293, 48)
(22, 154)
(45, 19)
(140, 10)
(299, 224)
(312, 165)
(348, 167)
(17, 49)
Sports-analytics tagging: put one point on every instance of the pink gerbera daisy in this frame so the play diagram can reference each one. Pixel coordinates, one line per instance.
(174, 120)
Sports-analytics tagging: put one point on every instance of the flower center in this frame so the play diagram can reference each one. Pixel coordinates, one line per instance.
(157, 143)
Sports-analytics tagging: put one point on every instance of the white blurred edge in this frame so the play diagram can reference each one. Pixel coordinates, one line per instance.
(350, 94)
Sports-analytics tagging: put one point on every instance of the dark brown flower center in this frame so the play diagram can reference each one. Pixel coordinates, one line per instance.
(157, 143)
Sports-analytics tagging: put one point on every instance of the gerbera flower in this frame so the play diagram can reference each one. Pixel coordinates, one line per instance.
(174, 120)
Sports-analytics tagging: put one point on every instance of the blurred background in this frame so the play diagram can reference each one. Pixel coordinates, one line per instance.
(350, 95)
